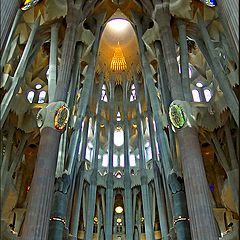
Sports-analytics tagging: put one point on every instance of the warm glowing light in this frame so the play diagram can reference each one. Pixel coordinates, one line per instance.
(119, 220)
(118, 62)
(118, 24)
(119, 209)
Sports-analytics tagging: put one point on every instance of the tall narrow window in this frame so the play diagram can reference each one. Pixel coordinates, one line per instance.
(133, 93)
(41, 97)
(207, 94)
(105, 160)
(196, 95)
(104, 93)
(118, 137)
(132, 160)
(30, 96)
(122, 160)
(115, 160)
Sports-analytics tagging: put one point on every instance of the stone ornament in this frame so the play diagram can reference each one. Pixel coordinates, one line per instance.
(55, 115)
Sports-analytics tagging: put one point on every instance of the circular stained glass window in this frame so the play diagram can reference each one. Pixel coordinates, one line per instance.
(176, 116)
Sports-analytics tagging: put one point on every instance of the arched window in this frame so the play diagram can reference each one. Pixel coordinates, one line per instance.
(41, 97)
(196, 95)
(118, 137)
(105, 160)
(122, 160)
(132, 160)
(115, 160)
(207, 94)
(133, 93)
(104, 93)
(30, 96)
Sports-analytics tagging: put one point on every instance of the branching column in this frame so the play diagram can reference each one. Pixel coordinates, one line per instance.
(144, 181)
(93, 183)
(18, 77)
(78, 186)
(202, 220)
(218, 71)
(127, 179)
(109, 190)
(38, 212)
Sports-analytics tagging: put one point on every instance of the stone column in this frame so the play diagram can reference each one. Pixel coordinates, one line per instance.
(53, 59)
(9, 10)
(202, 220)
(38, 212)
(109, 190)
(93, 183)
(162, 213)
(74, 203)
(59, 207)
(229, 13)
(184, 61)
(7, 45)
(218, 72)
(127, 180)
(162, 141)
(142, 168)
(181, 220)
(77, 202)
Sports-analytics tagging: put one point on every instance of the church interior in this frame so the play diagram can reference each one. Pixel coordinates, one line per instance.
(119, 119)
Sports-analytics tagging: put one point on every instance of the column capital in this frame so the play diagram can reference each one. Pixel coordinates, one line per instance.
(55, 116)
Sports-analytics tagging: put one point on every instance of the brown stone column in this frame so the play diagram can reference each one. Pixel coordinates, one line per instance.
(38, 210)
(202, 220)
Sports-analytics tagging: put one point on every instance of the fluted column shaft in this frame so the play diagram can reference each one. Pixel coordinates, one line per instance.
(162, 141)
(142, 168)
(202, 220)
(229, 10)
(74, 208)
(53, 60)
(184, 61)
(127, 180)
(93, 183)
(8, 12)
(109, 190)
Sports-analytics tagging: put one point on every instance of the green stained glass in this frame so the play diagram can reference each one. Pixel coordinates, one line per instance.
(176, 116)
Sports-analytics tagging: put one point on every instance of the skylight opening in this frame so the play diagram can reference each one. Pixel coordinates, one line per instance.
(118, 24)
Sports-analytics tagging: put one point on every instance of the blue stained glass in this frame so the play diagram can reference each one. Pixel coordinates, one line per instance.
(211, 3)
